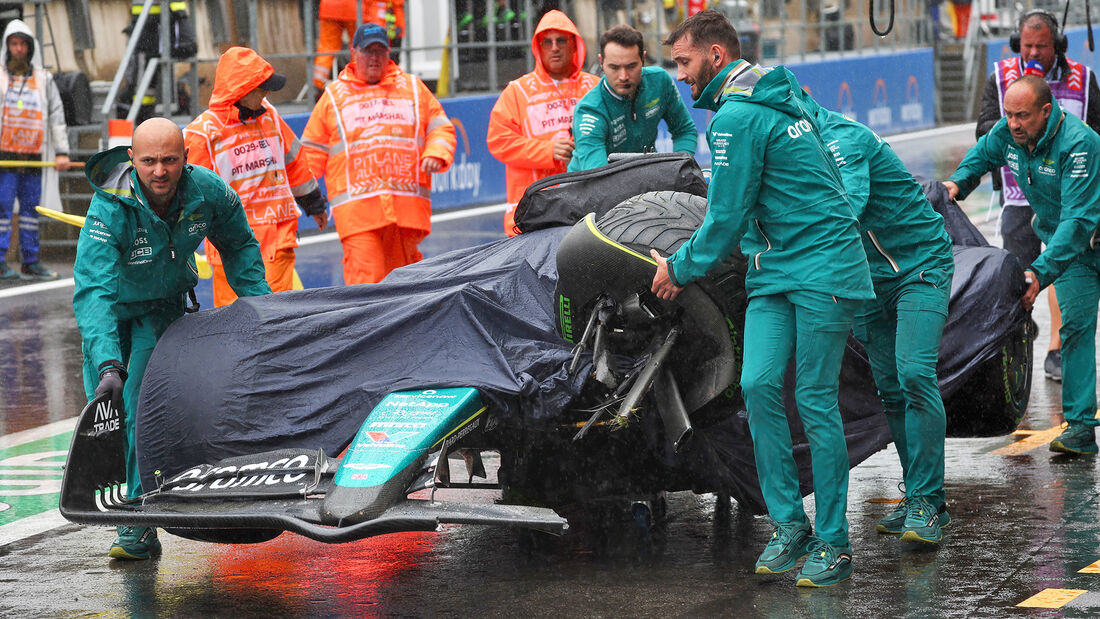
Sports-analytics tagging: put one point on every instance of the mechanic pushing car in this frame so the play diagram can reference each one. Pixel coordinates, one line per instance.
(912, 262)
(1054, 158)
(134, 268)
(806, 278)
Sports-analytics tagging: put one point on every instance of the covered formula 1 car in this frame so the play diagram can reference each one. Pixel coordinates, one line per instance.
(546, 348)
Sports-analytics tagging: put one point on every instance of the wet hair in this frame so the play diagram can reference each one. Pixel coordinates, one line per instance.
(1039, 87)
(708, 28)
(625, 36)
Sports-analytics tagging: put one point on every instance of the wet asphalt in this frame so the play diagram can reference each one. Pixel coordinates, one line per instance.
(1025, 526)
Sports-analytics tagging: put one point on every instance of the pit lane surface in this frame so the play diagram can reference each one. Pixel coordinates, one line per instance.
(1025, 525)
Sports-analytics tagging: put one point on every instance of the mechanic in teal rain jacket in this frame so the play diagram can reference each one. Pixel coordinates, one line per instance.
(1055, 159)
(135, 265)
(775, 190)
(621, 113)
(912, 262)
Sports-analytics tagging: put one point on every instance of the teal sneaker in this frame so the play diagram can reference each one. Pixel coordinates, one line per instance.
(6, 272)
(894, 522)
(135, 543)
(922, 522)
(784, 549)
(827, 565)
(35, 270)
(1075, 439)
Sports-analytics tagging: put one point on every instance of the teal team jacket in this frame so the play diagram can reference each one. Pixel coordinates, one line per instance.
(1059, 179)
(775, 190)
(606, 123)
(130, 262)
(903, 236)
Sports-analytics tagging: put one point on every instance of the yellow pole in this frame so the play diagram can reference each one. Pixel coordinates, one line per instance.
(443, 86)
(201, 264)
(12, 163)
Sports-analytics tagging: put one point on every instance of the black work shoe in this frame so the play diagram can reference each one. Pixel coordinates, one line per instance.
(1052, 367)
(35, 270)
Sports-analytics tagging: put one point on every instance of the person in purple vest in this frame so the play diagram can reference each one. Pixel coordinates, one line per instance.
(1041, 46)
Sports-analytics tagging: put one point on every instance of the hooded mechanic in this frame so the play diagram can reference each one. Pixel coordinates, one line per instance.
(775, 190)
(912, 262)
(531, 123)
(135, 265)
(32, 128)
(245, 140)
(377, 135)
(620, 115)
(1055, 158)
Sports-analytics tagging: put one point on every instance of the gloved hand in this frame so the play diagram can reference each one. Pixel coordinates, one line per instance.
(110, 381)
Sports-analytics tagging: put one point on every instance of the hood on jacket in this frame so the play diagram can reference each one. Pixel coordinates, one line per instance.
(240, 70)
(556, 20)
(773, 87)
(17, 26)
(108, 172)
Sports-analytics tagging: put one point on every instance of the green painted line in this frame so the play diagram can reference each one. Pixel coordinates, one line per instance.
(31, 471)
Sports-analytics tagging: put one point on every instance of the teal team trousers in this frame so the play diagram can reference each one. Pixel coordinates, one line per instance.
(1078, 295)
(137, 338)
(811, 327)
(901, 331)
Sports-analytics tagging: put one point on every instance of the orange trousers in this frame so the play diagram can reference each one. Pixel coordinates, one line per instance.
(330, 39)
(279, 274)
(370, 256)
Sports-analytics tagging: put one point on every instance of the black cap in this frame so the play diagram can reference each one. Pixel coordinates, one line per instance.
(273, 83)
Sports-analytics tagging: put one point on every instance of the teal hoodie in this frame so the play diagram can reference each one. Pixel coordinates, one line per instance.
(130, 262)
(606, 123)
(791, 216)
(903, 236)
(1060, 179)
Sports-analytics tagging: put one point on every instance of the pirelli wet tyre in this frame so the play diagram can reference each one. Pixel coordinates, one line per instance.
(994, 399)
(609, 257)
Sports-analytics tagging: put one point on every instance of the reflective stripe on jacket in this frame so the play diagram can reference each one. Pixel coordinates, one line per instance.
(368, 141)
(260, 158)
(534, 110)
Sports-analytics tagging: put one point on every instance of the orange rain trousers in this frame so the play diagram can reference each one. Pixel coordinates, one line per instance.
(279, 274)
(370, 256)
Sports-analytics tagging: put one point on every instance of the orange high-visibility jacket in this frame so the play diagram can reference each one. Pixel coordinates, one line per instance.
(531, 112)
(374, 11)
(368, 141)
(260, 158)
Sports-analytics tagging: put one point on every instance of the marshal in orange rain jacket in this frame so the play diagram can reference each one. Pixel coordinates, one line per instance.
(260, 158)
(368, 141)
(531, 112)
(385, 13)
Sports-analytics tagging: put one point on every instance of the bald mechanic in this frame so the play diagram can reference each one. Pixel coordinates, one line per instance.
(246, 142)
(134, 267)
(530, 124)
(1055, 159)
(912, 262)
(620, 115)
(775, 191)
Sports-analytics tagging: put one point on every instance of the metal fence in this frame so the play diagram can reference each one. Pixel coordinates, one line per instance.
(477, 46)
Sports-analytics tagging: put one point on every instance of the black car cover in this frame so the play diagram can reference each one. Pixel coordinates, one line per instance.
(304, 368)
